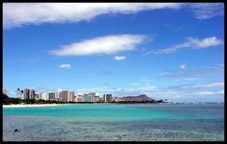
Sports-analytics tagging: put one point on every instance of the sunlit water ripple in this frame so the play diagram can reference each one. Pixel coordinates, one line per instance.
(132, 122)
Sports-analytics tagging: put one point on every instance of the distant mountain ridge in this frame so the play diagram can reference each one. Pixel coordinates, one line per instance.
(137, 98)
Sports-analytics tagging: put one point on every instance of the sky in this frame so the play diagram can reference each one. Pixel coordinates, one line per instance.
(172, 51)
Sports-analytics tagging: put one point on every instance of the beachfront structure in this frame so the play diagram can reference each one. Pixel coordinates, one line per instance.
(115, 99)
(63, 96)
(87, 98)
(79, 98)
(51, 95)
(43, 96)
(56, 99)
(70, 96)
(107, 97)
(56, 95)
(4, 90)
(29, 93)
(32, 94)
(101, 100)
(92, 94)
(36, 96)
(96, 98)
(26, 93)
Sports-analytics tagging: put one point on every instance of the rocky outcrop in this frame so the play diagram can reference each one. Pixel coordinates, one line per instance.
(137, 98)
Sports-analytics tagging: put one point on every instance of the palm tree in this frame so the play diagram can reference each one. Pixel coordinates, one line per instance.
(33, 96)
(21, 92)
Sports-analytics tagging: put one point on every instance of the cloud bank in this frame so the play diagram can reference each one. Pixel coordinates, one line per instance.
(204, 11)
(204, 92)
(193, 43)
(198, 92)
(200, 73)
(205, 85)
(111, 44)
(19, 14)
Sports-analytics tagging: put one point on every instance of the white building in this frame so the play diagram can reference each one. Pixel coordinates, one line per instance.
(71, 96)
(43, 96)
(4, 90)
(79, 98)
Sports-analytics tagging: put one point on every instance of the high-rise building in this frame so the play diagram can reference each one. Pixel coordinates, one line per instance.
(63, 96)
(4, 90)
(96, 98)
(32, 94)
(92, 94)
(101, 100)
(70, 96)
(116, 99)
(87, 98)
(107, 97)
(36, 96)
(51, 95)
(43, 96)
(56, 96)
(26, 93)
(79, 98)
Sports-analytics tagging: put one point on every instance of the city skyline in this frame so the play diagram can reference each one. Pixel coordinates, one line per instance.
(171, 51)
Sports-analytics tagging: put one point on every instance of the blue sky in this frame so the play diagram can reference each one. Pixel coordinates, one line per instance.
(167, 51)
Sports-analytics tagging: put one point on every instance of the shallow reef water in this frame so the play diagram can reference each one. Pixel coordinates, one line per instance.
(135, 122)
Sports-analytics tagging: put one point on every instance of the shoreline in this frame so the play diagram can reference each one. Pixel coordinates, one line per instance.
(29, 105)
(41, 105)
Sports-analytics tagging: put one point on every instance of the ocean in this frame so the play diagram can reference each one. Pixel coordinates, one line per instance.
(112, 122)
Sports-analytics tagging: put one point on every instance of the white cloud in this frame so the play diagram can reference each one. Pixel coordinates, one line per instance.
(183, 66)
(193, 43)
(29, 60)
(206, 42)
(59, 89)
(111, 44)
(19, 14)
(12, 93)
(205, 85)
(67, 66)
(135, 84)
(220, 92)
(204, 11)
(204, 93)
(201, 73)
(42, 89)
(189, 79)
(118, 58)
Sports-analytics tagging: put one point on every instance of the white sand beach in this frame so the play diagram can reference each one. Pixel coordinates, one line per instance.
(29, 105)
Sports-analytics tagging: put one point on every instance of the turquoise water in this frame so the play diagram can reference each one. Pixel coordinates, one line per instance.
(132, 122)
(94, 112)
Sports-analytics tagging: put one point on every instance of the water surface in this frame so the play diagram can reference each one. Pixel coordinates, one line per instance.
(132, 122)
